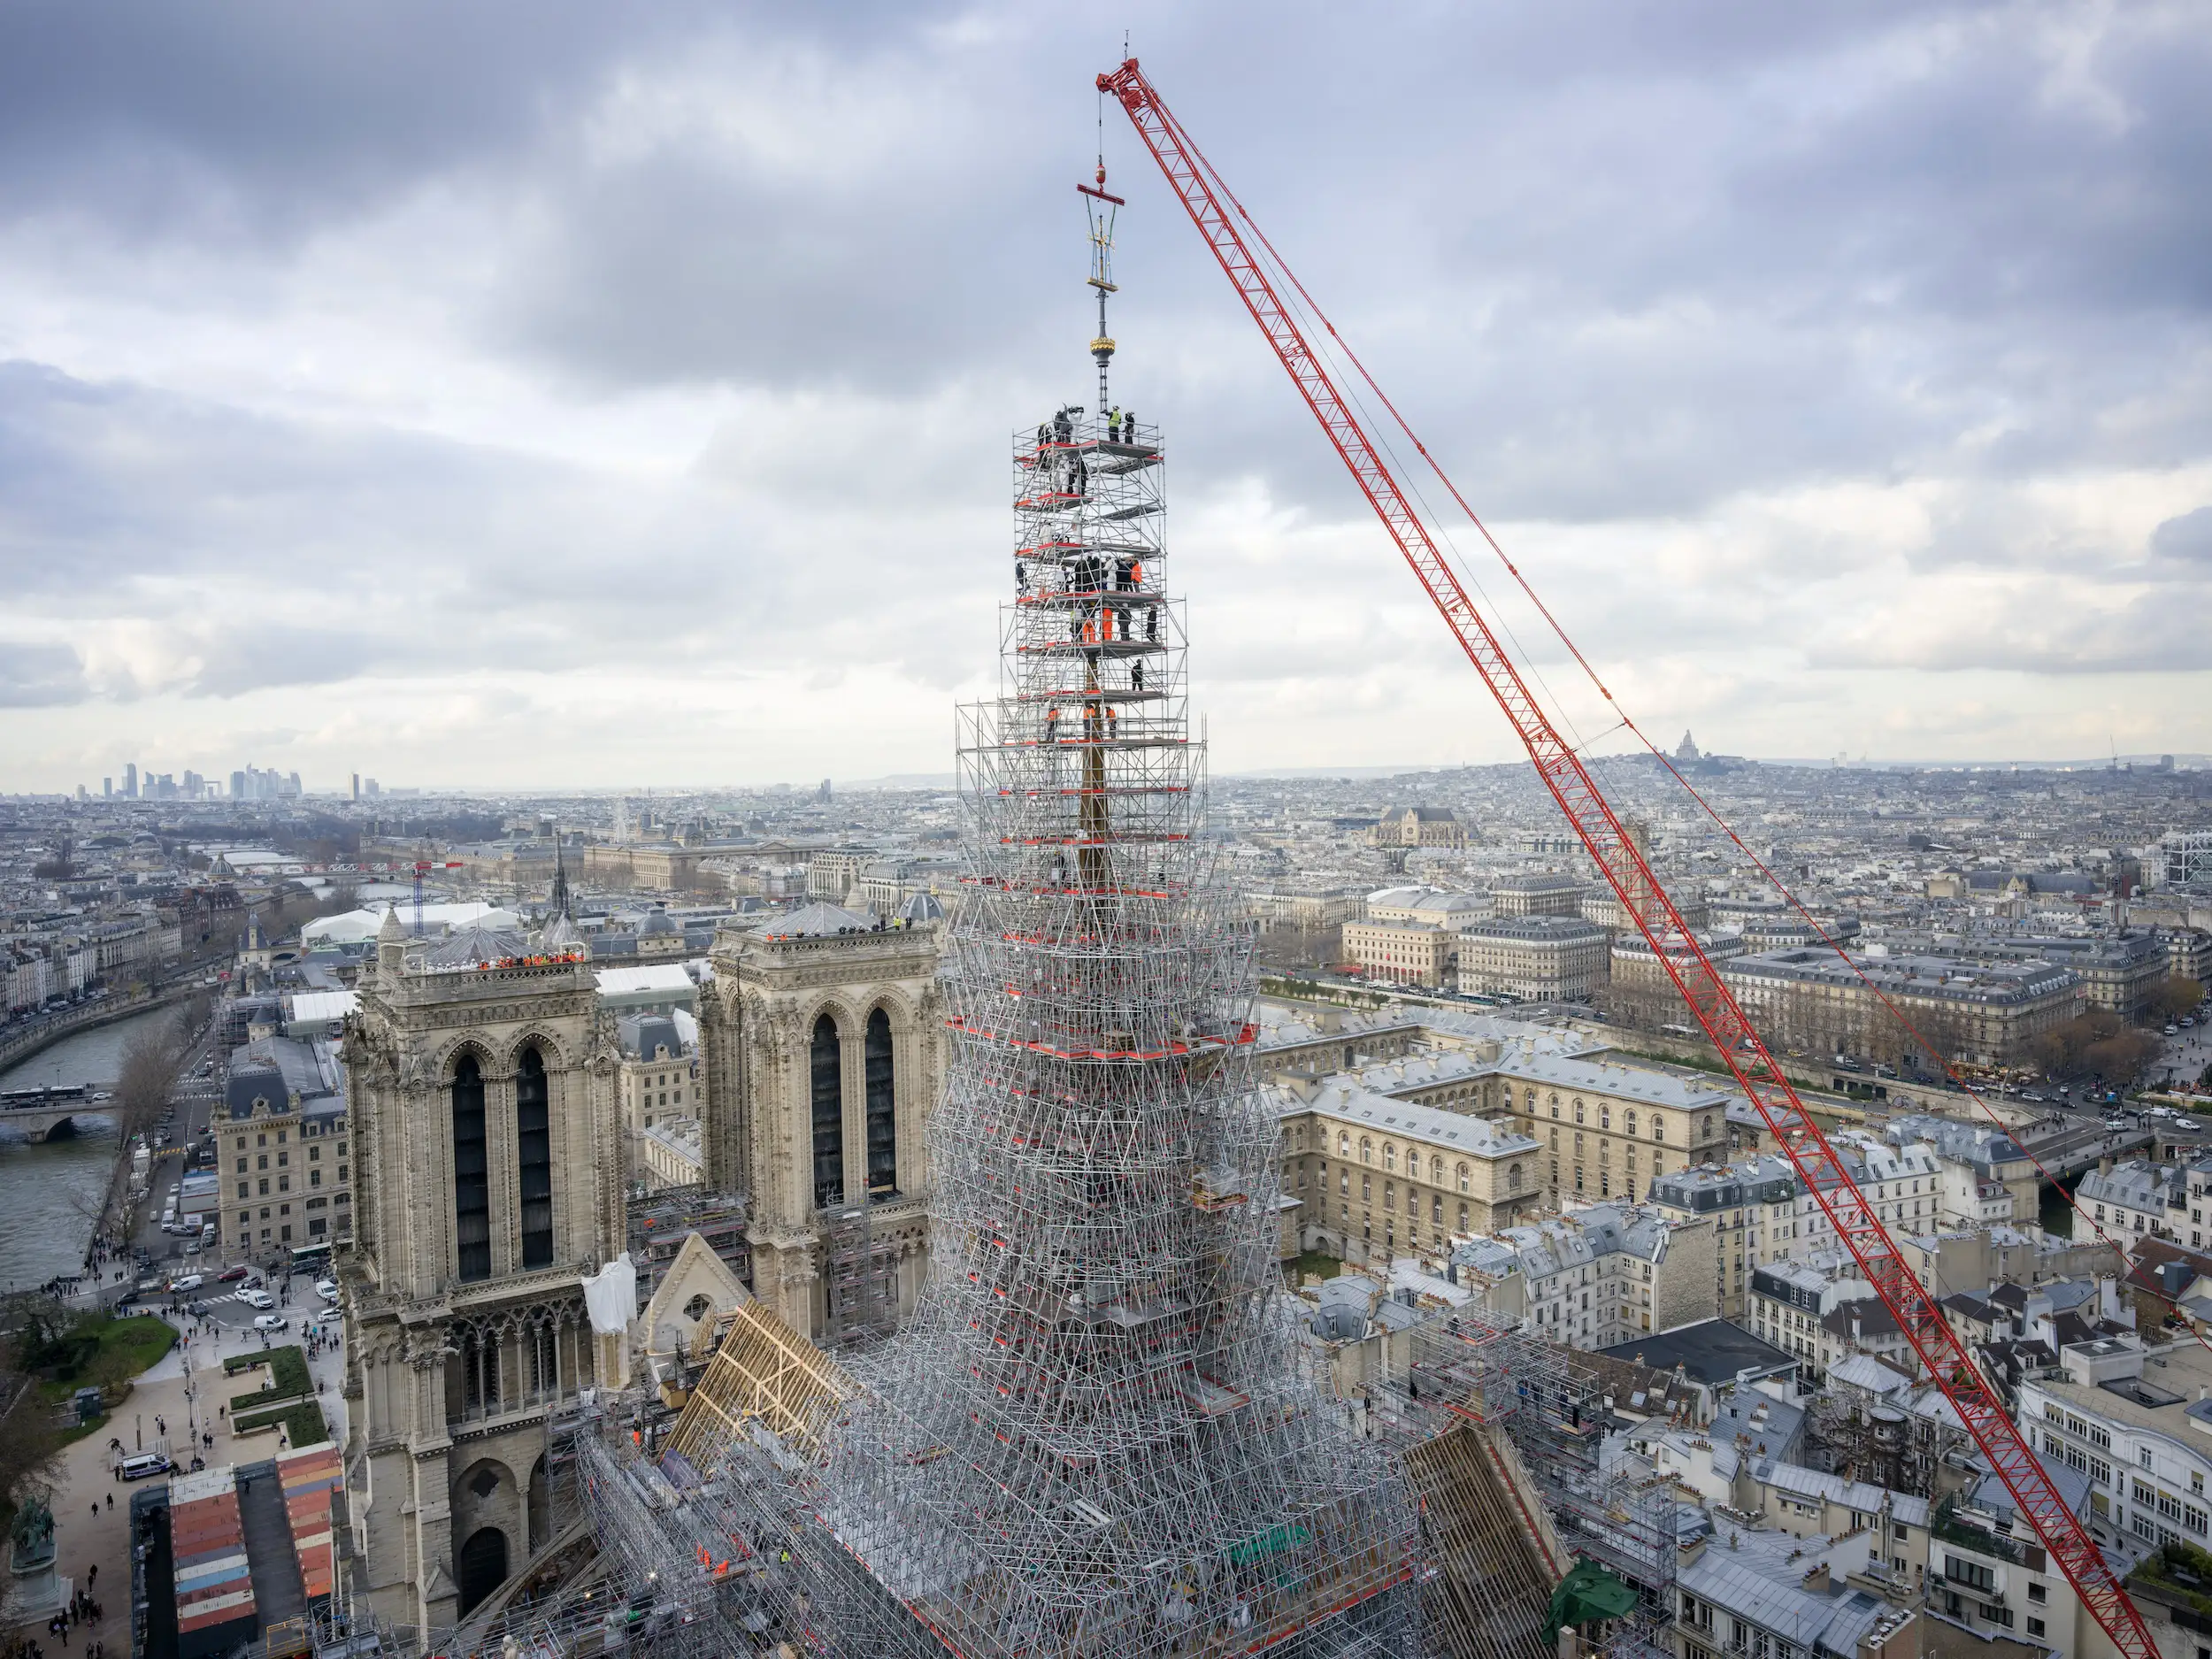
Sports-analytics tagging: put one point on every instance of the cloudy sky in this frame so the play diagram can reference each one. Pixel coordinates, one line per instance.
(541, 393)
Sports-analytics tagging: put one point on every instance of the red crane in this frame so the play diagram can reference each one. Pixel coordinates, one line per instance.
(1211, 205)
(423, 867)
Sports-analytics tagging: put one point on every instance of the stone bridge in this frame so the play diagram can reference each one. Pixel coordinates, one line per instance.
(38, 1112)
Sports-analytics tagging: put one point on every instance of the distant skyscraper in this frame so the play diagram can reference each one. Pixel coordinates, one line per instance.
(107, 788)
(825, 789)
(130, 781)
(357, 786)
(238, 786)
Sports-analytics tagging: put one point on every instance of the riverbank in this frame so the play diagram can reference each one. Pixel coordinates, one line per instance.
(24, 1046)
(56, 1193)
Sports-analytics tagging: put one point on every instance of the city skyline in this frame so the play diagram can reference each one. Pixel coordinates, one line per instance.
(481, 420)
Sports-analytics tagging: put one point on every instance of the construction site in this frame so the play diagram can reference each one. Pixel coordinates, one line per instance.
(1106, 1430)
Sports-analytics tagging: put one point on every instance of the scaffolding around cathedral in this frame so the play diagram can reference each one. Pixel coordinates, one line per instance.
(1103, 1434)
(1503, 1432)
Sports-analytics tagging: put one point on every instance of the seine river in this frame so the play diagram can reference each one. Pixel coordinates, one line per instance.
(48, 1194)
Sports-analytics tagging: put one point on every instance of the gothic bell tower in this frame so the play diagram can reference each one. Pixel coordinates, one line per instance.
(824, 1057)
(487, 1165)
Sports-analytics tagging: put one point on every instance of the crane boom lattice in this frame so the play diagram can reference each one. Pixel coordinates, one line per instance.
(1215, 212)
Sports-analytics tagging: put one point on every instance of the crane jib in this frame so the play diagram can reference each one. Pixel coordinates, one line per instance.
(1623, 865)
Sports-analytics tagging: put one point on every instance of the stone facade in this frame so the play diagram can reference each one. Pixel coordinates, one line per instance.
(824, 1058)
(1607, 1130)
(1419, 826)
(1535, 959)
(488, 1180)
(1411, 953)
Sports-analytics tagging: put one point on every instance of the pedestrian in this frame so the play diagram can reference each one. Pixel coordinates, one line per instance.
(111, 1502)
(92, 1575)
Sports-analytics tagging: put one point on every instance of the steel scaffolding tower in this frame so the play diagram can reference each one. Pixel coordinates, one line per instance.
(1102, 1432)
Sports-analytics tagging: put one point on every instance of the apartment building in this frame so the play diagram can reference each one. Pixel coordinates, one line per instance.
(1373, 1179)
(1547, 893)
(1596, 1277)
(657, 1077)
(1976, 1014)
(1639, 990)
(1534, 958)
(1600, 905)
(2130, 1421)
(1789, 1300)
(1305, 909)
(1406, 953)
(1607, 1130)
(1987, 1177)
(1765, 1595)
(1812, 1503)
(1985, 1574)
(2138, 1198)
(2119, 970)
(281, 1149)
(1753, 1204)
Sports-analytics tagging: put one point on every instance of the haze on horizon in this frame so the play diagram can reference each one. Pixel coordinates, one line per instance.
(472, 397)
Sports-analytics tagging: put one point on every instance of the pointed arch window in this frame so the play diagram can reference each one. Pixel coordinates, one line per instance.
(825, 1075)
(472, 1174)
(883, 1126)
(534, 1155)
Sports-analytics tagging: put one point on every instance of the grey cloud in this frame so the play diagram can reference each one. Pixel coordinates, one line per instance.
(250, 658)
(2188, 537)
(1618, 260)
(36, 676)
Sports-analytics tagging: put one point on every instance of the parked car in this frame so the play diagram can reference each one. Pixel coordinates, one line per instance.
(268, 1322)
(257, 1298)
(230, 1273)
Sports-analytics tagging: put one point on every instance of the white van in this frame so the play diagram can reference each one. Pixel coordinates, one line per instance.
(143, 1464)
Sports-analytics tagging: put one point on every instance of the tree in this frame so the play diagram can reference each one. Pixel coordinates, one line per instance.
(2178, 998)
(150, 1072)
(30, 1445)
(2073, 1049)
(2120, 1058)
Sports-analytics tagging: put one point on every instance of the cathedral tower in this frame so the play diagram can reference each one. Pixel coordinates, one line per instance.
(486, 1166)
(823, 1032)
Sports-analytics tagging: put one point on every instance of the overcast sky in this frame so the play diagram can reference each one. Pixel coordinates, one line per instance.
(543, 394)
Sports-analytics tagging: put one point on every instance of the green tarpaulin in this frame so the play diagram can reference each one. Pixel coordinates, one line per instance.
(1587, 1593)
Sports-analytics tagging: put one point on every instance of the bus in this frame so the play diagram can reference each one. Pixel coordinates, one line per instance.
(312, 1258)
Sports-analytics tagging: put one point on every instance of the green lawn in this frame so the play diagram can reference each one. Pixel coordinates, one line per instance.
(127, 1347)
(302, 1422)
(287, 1365)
